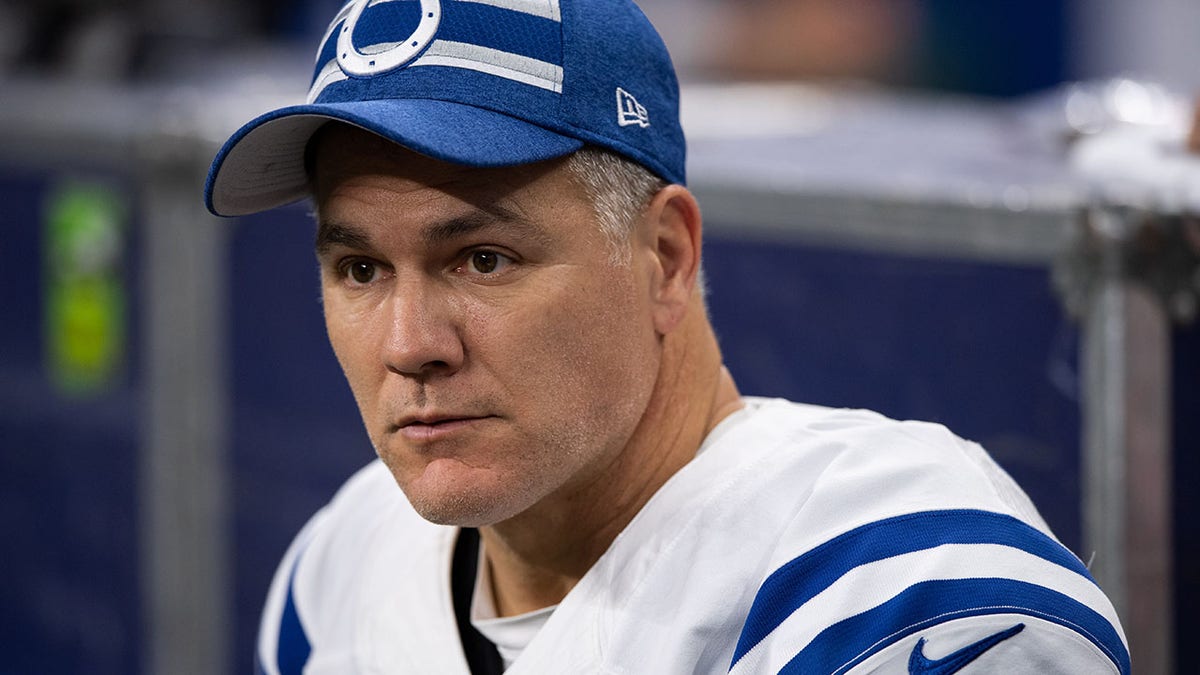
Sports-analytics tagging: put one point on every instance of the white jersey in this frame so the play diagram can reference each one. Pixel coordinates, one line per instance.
(800, 539)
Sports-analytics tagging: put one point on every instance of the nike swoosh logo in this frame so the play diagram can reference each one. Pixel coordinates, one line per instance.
(919, 665)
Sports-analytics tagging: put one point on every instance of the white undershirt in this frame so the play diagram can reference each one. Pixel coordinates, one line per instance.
(510, 634)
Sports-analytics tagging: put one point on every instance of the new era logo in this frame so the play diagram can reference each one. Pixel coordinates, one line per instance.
(629, 111)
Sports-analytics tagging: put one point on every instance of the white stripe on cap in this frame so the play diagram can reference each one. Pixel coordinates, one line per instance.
(547, 9)
(461, 55)
(332, 72)
(341, 16)
(493, 62)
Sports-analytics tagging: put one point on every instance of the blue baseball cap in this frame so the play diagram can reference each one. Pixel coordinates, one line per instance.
(482, 83)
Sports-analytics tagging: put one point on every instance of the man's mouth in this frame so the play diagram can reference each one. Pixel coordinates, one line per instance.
(431, 427)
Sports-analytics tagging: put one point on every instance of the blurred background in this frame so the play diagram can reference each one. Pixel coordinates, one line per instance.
(981, 213)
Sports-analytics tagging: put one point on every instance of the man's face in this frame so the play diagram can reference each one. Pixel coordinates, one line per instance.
(496, 352)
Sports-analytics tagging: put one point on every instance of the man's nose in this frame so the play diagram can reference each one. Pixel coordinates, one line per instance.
(423, 339)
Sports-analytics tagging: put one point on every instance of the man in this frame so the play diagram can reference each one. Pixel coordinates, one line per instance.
(509, 266)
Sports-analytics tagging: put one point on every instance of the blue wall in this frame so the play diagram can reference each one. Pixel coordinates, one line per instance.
(68, 472)
(983, 349)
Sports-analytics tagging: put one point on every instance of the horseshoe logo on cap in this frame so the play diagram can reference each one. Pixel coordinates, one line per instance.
(396, 54)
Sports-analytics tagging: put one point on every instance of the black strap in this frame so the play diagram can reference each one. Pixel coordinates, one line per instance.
(482, 656)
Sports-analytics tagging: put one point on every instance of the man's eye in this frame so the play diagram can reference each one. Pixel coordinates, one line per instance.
(361, 271)
(487, 262)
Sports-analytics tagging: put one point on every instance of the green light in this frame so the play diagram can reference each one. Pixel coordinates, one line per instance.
(85, 302)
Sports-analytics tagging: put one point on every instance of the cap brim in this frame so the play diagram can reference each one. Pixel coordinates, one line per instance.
(262, 165)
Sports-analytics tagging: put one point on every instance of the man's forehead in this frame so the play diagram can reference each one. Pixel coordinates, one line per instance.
(438, 199)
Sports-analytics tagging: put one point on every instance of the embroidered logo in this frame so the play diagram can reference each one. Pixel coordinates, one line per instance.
(390, 56)
(918, 664)
(629, 111)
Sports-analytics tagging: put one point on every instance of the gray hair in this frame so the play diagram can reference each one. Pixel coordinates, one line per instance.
(619, 190)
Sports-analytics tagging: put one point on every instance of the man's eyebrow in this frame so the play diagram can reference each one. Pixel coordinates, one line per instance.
(331, 233)
(490, 216)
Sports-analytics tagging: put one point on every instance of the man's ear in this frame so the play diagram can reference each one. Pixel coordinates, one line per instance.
(673, 230)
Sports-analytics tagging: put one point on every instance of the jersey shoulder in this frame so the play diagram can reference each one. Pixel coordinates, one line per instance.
(910, 547)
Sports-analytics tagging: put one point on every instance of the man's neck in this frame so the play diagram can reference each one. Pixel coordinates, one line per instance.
(537, 557)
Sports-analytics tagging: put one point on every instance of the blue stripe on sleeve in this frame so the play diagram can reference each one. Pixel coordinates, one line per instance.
(798, 581)
(294, 647)
(849, 642)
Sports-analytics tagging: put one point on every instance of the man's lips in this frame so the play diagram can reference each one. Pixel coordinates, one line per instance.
(424, 428)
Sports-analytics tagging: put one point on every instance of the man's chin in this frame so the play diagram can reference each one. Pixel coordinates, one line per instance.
(461, 498)
(461, 511)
